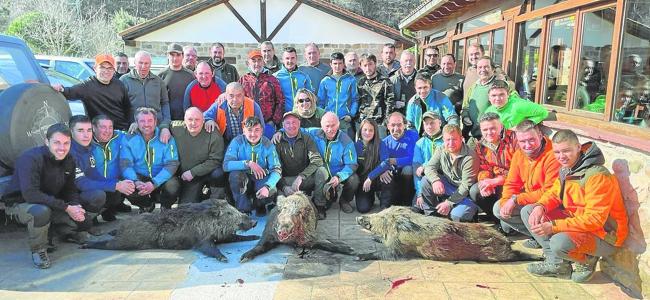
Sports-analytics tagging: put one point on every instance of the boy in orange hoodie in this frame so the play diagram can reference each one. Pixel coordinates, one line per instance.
(582, 217)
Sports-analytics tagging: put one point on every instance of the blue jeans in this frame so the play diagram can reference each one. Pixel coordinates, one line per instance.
(463, 211)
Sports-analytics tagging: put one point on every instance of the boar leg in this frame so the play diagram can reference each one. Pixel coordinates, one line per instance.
(263, 246)
(333, 246)
(209, 248)
(240, 238)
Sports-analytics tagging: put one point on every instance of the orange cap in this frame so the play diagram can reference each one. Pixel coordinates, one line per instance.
(254, 53)
(102, 58)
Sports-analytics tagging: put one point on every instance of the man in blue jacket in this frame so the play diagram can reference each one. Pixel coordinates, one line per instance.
(401, 145)
(291, 79)
(338, 93)
(340, 160)
(427, 99)
(106, 146)
(254, 168)
(94, 187)
(150, 164)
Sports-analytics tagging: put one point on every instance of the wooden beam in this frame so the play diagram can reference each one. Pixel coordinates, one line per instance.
(284, 20)
(243, 22)
(263, 19)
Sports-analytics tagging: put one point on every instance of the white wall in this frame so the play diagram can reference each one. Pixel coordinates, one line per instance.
(306, 25)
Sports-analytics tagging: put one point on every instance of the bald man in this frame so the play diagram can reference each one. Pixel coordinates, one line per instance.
(200, 153)
(147, 90)
(404, 82)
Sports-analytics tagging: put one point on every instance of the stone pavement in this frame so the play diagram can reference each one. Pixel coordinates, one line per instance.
(279, 274)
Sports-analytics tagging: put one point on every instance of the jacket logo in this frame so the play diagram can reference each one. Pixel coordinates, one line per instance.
(78, 173)
(92, 161)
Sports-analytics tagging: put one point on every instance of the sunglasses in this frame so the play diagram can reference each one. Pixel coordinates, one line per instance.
(304, 100)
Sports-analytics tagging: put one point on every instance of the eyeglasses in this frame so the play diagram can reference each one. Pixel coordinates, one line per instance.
(304, 100)
(110, 69)
(432, 55)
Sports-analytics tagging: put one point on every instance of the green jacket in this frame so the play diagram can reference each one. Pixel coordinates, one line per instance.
(300, 158)
(460, 172)
(517, 110)
(199, 154)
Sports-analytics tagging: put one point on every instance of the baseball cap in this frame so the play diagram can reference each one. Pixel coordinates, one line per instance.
(254, 53)
(431, 114)
(290, 113)
(102, 58)
(173, 47)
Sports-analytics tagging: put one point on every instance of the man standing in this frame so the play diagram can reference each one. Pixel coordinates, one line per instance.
(271, 62)
(94, 187)
(302, 165)
(403, 81)
(376, 96)
(121, 65)
(150, 163)
(494, 152)
(352, 65)
(449, 82)
(425, 100)
(582, 217)
(313, 67)
(220, 68)
(204, 90)
(401, 145)
(228, 116)
(102, 94)
(291, 78)
(200, 154)
(431, 65)
(265, 90)
(190, 57)
(106, 149)
(448, 177)
(254, 168)
(338, 93)
(176, 78)
(42, 191)
(147, 90)
(389, 65)
(474, 52)
(340, 160)
(533, 169)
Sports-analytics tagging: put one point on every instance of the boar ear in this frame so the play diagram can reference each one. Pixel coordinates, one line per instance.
(406, 224)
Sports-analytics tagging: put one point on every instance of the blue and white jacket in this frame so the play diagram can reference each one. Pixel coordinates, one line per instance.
(339, 96)
(263, 153)
(339, 155)
(107, 157)
(151, 159)
(87, 176)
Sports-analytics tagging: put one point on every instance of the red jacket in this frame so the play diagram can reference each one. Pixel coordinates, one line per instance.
(265, 90)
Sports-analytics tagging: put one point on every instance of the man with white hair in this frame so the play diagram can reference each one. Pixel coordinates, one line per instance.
(147, 90)
(190, 57)
(404, 81)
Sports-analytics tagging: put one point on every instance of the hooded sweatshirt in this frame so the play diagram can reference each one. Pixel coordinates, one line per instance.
(592, 197)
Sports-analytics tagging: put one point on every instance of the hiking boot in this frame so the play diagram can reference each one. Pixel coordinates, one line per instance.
(584, 271)
(531, 243)
(41, 259)
(321, 212)
(346, 207)
(122, 207)
(108, 215)
(548, 269)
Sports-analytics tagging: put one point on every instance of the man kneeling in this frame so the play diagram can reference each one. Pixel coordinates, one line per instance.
(582, 217)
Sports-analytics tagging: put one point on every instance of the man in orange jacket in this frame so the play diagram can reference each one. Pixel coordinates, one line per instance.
(533, 169)
(582, 217)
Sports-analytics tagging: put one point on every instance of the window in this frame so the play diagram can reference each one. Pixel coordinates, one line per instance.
(498, 40)
(558, 60)
(527, 57)
(443, 49)
(537, 4)
(591, 82)
(459, 52)
(13, 70)
(482, 20)
(72, 69)
(632, 99)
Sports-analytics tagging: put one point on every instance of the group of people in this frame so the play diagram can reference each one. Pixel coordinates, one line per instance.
(445, 144)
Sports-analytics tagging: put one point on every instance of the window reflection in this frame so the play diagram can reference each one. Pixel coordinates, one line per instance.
(597, 32)
(632, 102)
(459, 52)
(558, 60)
(497, 46)
(528, 43)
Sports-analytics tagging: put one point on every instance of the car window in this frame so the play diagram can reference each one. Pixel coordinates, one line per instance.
(73, 69)
(12, 67)
(43, 62)
(90, 64)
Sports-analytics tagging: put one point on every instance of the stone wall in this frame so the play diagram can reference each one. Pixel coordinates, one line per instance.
(236, 53)
(631, 265)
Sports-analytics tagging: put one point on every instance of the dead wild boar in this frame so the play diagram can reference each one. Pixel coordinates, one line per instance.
(405, 233)
(293, 221)
(199, 226)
